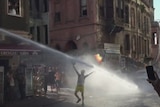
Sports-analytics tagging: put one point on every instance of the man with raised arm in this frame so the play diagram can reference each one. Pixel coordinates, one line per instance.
(80, 84)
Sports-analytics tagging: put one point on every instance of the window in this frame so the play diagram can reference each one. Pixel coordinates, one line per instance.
(38, 34)
(134, 44)
(45, 6)
(14, 7)
(139, 19)
(46, 33)
(57, 17)
(126, 14)
(132, 17)
(83, 7)
(37, 5)
(154, 38)
(119, 8)
(102, 8)
(58, 47)
(127, 41)
(118, 2)
(30, 5)
(147, 25)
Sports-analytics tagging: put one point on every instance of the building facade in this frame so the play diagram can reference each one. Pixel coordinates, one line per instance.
(39, 21)
(100, 23)
(130, 26)
(73, 24)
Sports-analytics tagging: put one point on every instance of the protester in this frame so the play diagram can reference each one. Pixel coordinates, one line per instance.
(45, 80)
(80, 84)
(51, 77)
(58, 80)
(11, 80)
(20, 75)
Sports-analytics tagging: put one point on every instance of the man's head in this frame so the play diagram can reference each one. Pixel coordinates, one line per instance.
(82, 71)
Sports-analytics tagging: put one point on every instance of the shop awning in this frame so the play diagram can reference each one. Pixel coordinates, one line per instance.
(12, 49)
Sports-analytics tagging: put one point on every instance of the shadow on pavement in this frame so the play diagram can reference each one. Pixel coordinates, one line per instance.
(42, 102)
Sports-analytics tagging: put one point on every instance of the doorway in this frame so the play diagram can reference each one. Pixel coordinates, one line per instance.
(5, 63)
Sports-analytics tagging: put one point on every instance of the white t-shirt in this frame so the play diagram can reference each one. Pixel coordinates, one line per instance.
(12, 82)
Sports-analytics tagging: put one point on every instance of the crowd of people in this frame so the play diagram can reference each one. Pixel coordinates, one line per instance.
(45, 77)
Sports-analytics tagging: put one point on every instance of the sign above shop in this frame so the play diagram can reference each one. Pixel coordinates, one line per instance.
(11, 53)
(18, 50)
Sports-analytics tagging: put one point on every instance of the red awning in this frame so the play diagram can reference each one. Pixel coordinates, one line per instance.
(18, 50)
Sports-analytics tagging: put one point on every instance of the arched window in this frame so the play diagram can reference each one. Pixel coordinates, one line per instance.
(71, 45)
(139, 19)
(132, 17)
(127, 43)
(83, 8)
(126, 14)
(58, 47)
(120, 8)
(134, 44)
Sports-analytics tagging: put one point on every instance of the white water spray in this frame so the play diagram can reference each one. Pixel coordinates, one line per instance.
(109, 83)
(42, 47)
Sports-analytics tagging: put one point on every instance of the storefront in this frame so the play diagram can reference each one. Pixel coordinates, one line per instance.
(10, 57)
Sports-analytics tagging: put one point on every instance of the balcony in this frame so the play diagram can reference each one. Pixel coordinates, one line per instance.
(114, 26)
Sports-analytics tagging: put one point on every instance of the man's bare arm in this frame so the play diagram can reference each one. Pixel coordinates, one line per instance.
(75, 69)
(88, 74)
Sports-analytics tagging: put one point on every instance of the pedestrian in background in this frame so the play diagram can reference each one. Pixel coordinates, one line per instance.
(11, 79)
(45, 80)
(51, 78)
(57, 80)
(20, 75)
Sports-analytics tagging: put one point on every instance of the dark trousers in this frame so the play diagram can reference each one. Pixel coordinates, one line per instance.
(45, 87)
(12, 93)
(22, 91)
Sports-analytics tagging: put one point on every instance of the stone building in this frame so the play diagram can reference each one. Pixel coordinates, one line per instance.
(130, 26)
(121, 27)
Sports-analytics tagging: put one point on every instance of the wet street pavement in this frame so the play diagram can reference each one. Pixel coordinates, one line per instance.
(67, 99)
(135, 100)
